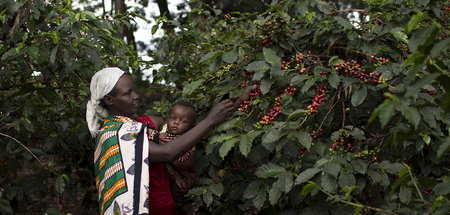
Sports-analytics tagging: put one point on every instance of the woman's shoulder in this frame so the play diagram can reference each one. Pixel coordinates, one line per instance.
(159, 121)
(154, 121)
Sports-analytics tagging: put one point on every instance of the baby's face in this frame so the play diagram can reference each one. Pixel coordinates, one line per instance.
(180, 119)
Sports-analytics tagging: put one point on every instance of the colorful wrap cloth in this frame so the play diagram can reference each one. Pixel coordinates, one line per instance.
(122, 167)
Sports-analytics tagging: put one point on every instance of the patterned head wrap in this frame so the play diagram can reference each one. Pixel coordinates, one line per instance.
(102, 83)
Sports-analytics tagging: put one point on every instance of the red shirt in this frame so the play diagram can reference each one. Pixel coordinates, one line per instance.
(160, 198)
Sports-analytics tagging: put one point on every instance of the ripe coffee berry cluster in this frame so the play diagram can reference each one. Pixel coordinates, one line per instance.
(340, 144)
(354, 69)
(315, 135)
(378, 61)
(266, 41)
(370, 154)
(429, 92)
(293, 63)
(246, 106)
(276, 110)
(268, 28)
(302, 150)
(319, 97)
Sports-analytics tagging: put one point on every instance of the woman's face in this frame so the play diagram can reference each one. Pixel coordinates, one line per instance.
(180, 119)
(125, 100)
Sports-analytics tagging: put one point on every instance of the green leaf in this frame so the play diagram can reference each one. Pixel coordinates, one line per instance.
(332, 168)
(53, 55)
(296, 113)
(271, 136)
(208, 198)
(440, 47)
(59, 184)
(227, 146)
(208, 56)
(400, 36)
(359, 95)
(334, 80)
(257, 66)
(271, 57)
(192, 86)
(328, 183)
(309, 83)
(343, 22)
(155, 28)
(274, 193)
(359, 166)
(265, 85)
(305, 139)
(246, 141)
(285, 181)
(227, 125)
(216, 189)
(357, 133)
(385, 111)
(230, 57)
(259, 200)
(405, 194)
(346, 180)
(414, 21)
(306, 175)
(414, 89)
(412, 115)
(423, 37)
(269, 170)
(252, 189)
(392, 168)
(443, 148)
(298, 79)
(442, 188)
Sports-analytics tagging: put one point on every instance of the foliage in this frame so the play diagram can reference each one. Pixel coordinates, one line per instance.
(352, 114)
(48, 53)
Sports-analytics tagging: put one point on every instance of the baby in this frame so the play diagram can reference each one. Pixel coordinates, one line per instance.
(181, 118)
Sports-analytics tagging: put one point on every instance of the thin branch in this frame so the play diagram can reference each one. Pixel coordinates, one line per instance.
(350, 10)
(28, 150)
(413, 179)
(353, 203)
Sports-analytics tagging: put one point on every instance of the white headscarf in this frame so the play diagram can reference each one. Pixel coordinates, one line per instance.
(102, 83)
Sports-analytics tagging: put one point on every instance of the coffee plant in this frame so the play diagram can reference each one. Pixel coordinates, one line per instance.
(351, 115)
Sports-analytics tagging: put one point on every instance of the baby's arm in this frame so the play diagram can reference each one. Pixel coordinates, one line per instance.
(187, 163)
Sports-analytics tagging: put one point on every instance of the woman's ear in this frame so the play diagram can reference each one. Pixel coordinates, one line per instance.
(108, 100)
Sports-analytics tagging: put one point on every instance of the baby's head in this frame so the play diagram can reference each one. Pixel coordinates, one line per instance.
(181, 118)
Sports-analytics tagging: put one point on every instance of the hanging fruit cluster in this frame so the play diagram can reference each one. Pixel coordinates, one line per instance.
(429, 92)
(246, 105)
(369, 154)
(378, 61)
(354, 69)
(319, 97)
(276, 110)
(292, 63)
(342, 145)
(269, 27)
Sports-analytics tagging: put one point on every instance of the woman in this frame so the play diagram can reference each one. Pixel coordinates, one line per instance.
(123, 151)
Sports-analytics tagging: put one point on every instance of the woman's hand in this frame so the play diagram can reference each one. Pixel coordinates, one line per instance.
(244, 96)
(220, 111)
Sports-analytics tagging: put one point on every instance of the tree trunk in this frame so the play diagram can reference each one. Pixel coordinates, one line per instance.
(128, 33)
(164, 11)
